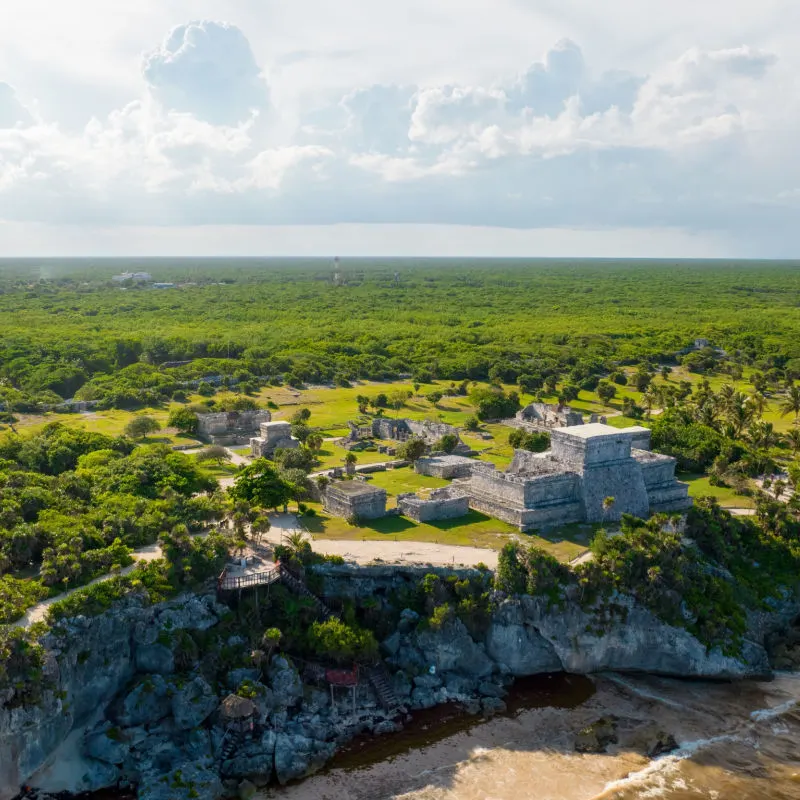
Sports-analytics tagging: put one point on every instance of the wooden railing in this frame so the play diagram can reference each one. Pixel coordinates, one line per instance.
(229, 583)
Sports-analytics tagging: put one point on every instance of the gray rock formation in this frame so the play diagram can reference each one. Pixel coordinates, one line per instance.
(297, 756)
(515, 643)
(192, 703)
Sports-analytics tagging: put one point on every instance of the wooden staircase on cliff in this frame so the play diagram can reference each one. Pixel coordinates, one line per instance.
(379, 678)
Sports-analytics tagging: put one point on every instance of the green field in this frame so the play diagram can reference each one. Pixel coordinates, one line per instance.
(699, 486)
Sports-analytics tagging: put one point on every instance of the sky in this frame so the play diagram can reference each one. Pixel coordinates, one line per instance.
(628, 128)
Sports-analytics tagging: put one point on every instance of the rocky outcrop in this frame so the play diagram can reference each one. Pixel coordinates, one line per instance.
(161, 728)
(514, 642)
(297, 756)
(90, 661)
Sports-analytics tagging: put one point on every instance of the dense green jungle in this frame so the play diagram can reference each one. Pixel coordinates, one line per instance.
(64, 325)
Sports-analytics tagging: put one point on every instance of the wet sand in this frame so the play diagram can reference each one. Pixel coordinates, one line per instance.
(737, 741)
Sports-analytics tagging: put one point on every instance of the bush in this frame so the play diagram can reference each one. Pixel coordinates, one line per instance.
(340, 642)
(494, 403)
(536, 442)
(17, 596)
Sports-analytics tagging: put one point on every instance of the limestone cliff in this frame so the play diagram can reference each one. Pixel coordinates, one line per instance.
(115, 676)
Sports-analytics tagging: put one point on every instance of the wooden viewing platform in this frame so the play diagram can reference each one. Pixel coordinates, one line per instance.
(231, 583)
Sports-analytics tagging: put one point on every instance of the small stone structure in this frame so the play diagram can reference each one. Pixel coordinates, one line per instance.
(447, 466)
(274, 436)
(544, 417)
(231, 427)
(569, 483)
(354, 499)
(446, 503)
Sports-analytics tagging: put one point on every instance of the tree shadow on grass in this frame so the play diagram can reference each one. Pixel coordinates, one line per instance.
(388, 525)
(472, 518)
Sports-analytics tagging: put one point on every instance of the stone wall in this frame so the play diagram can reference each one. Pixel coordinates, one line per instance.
(231, 427)
(664, 493)
(402, 429)
(446, 503)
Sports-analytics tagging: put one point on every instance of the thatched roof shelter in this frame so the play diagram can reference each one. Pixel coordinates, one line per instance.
(235, 707)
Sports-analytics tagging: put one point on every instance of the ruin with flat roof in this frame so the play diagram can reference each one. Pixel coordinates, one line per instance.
(273, 436)
(354, 499)
(445, 466)
(591, 473)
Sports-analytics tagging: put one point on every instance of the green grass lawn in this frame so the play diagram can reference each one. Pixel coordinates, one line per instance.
(111, 422)
(398, 481)
(332, 455)
(699, 486)
(219, 470)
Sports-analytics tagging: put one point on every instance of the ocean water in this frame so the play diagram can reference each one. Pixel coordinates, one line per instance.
(737, 742)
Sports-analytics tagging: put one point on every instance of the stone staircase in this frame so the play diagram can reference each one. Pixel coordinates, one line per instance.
(231, 743)
(297, 586)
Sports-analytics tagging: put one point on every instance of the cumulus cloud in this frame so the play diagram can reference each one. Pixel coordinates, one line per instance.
(207, 69)
(556, 145)
(12, 112)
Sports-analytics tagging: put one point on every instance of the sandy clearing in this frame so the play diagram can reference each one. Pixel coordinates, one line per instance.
(365, 552)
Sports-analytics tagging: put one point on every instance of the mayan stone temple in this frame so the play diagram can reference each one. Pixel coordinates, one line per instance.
(592, 473)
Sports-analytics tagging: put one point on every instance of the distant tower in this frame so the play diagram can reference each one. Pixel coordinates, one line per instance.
(337, 275)
(396, 278)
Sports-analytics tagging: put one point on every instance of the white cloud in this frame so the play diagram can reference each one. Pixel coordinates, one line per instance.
(699, 139)
(12, 112)
(208, 69)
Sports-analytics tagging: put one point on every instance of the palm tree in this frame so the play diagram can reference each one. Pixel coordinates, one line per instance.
(724, 397)
(758, 403)
(608, 504)
(792, 439)
(650, 399)
(762, 435)
(792, 403)
(295, 541)
(706, 414)
(738, 412)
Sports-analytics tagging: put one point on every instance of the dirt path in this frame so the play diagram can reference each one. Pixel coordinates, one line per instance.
(387, 552)
(38, 612)
(236, 458)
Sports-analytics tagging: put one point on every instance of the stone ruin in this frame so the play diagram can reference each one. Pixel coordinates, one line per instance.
(354, 499)
(445, 466)
(274, 436)
(398, 430)
(446, 503)
(568, 483)
(403, 429)
(231, 427)
(545, 417)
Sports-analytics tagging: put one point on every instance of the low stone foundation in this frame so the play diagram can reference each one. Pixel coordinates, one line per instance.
(446, 503)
